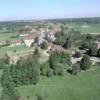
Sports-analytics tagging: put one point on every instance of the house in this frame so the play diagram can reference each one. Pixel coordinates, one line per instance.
(75, 60)
(2, 43)
(23, 35)
(50, 36)
(41, 38)
(29, 40)
(98, 44)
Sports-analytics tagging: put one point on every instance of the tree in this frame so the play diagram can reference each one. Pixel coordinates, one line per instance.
(6, 77)
(36, 52)
(9, 93)
(77, 54)
(39, 97)
(2, 64)
(50, 73)
(85, 62)
(98, 53)
(93, 50)
(44, 45)
(89, 37)
(76, 68)
(59, 70)
(84, 45)
(6, 59)
(58, 57)
(45, 68)
(60, 38)
(67, 44)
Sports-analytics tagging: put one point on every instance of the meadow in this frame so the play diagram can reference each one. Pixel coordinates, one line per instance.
(84, 86)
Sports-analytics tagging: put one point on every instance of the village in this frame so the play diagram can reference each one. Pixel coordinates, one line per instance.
(36, 38)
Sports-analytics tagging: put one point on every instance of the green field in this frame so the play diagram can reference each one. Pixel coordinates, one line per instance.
(84, 86)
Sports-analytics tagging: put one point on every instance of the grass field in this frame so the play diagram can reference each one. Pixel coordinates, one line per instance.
(0, 81)
(84, 86)
(7, 36)
(85, 28)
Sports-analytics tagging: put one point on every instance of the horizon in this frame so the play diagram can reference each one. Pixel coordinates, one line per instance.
(13, 10)
(33, 20)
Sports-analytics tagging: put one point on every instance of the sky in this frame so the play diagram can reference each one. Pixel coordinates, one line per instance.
(48, 9)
